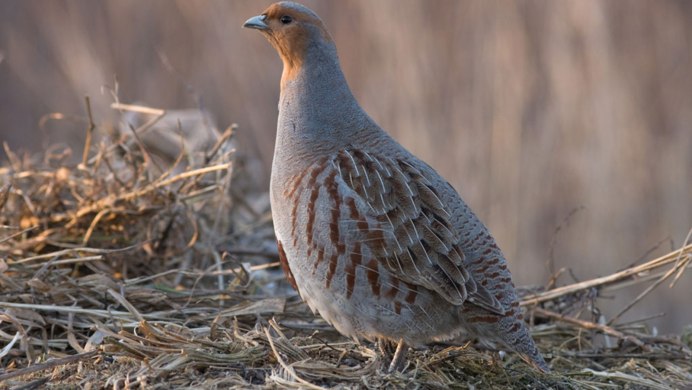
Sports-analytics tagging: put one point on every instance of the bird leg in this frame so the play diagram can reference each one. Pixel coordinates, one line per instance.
(383, 346)
(399, 354)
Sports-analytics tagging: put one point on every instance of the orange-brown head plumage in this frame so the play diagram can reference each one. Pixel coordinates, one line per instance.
(291, 28)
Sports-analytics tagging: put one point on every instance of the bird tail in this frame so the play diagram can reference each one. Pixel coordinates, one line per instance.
(518, 338)
(509, 331)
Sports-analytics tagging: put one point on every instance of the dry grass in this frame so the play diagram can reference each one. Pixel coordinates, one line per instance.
(120, 273)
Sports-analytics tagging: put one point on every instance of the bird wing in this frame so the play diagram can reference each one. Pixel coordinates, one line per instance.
(390, 210)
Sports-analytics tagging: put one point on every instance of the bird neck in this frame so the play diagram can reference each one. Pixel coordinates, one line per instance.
(317, 110)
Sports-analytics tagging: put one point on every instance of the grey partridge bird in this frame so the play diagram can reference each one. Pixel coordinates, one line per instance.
(372, 237)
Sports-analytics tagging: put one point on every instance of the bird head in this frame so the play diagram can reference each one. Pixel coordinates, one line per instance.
(291, 28)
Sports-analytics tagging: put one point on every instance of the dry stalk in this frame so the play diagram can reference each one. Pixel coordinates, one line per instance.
(607, 280)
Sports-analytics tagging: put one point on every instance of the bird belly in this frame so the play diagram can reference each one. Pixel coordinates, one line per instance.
(397, 311)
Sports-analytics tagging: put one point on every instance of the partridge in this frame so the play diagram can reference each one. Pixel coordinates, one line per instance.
(373, 238)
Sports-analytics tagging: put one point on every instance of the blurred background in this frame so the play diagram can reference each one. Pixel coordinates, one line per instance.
(566, 125)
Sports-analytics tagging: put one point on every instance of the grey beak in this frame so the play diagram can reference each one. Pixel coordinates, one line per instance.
(256, 22)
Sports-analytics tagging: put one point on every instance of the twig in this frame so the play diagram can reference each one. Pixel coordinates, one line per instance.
(286, 367)
(122, 315)
(19, 233)
(680, 265)
(93, 224)
(15, 162)
(550, 263)
(220, 142)
(73, 250)
(588, 325)
(250, 252)
(138, 109)
(49, 364)
(127, 305)
(4, 194)
(6, 349)
(606, 280)
(90, 130)
(682, 269)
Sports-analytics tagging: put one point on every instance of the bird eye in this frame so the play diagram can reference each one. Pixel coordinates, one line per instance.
(286, 19)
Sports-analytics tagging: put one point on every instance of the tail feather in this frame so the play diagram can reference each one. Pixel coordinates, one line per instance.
(509, 331)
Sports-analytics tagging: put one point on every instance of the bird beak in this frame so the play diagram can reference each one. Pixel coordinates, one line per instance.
(256, 22)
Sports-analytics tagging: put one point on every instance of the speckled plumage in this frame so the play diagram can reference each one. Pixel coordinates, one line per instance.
(372, 237)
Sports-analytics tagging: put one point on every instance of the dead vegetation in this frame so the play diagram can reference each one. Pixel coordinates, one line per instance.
(122, 272)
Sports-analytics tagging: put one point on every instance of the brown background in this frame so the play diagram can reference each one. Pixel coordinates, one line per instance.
(532, 109)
